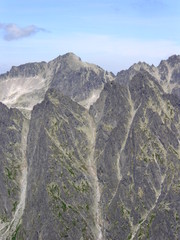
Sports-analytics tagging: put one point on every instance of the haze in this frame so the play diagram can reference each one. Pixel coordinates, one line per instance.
(111, 33)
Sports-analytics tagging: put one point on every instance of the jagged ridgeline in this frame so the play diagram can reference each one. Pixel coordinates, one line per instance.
(87, 155)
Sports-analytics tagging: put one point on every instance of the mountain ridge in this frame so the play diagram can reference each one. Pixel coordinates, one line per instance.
(43, 75)
(102, 152)
(20, 83)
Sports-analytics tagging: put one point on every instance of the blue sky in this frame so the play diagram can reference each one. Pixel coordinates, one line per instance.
(111, 33)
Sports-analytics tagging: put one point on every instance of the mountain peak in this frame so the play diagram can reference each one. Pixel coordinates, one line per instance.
(68, 57)
(140, 65)
(110, 171)
(174, 59)
(25, 86)
(71, 55)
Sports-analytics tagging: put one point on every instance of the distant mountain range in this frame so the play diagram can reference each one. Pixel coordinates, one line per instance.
(87, 155)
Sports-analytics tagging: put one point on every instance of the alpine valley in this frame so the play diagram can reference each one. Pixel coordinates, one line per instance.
(89, 155)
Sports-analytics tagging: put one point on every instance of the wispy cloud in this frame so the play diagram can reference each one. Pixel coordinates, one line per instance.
(13, 32)
(114, 53)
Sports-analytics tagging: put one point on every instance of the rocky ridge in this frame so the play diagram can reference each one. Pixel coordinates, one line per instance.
(26, 85)
(166, 73)
(99, 158)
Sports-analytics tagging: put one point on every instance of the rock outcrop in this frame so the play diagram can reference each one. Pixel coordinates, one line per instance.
(102, 152)
(26, 85)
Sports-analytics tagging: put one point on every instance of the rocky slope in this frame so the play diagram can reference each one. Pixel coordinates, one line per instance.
(26, 85)
(102, 152)
(61, 172)
(167, 73)
(13, 128)
(137, 158)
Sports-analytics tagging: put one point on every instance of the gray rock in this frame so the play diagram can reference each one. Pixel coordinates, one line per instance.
(25, 86)
(110, 172)
(10, 157)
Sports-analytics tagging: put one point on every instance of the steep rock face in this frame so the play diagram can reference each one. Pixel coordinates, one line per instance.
(26, 70)
(138, 165)
(61, 192)
(110, 172)
(114, 177)
(11, 168)
(26, 85)
(10, 128)
(125, 76)
(167, 73)
(77, 79)
(169, 69)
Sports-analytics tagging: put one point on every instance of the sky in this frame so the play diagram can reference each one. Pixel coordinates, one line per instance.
(113, 34)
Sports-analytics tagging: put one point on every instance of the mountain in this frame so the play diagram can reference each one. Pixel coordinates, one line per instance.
(167, 73)
(26, 85)
(89, 155)
(14, 129)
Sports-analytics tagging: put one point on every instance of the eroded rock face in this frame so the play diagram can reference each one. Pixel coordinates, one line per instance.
(107, 171)
(10, 155)
(26, 85)
(77, 79)
(139, 161)
(13, 169)
(135, 163)
(61, 190)
(167, 73)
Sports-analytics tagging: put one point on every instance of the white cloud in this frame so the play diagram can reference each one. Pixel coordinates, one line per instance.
(14, 32)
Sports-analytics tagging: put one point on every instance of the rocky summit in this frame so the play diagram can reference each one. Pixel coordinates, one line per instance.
(89, 155)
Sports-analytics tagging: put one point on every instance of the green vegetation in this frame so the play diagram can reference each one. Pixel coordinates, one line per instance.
(71, 171)
(83, 186)
(149, 224)
(14, 206)
(129, 236)
(177, 217)
(141, 221)
(11, 171)
(173, 150)
(14, 236)
(53, 190)
(64, 207)
(10, 174)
